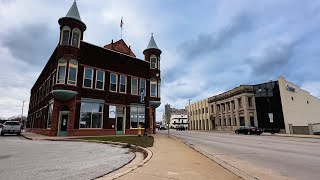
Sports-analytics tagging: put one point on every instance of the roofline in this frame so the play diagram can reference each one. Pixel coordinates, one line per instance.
(116, 52)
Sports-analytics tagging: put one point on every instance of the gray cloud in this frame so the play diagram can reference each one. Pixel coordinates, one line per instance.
(31, 44)
(208, 43)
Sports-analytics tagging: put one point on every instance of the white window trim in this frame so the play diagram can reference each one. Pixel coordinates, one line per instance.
(125, 89)
(77, 30)
(159, 89)
(76, 67)
(65, 28)
(57, 75)
(99, 80)
(91, 116)
(112, 83)
(84, 77)
(153, 57)
(145, 84)
(153, 82)
(138, 116)
(137, 86)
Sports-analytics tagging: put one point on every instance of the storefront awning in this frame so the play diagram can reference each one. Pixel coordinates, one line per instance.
(63, 95)
(155, 104)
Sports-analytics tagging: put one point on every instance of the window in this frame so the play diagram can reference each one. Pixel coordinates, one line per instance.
(202, 110)
(134, 86)
(153, 61)
(240, 102)
(91, 115)
(158, 89)
(100, 80)
(153, 87)
(62, 63)
(212, 109)
(250, 101)
(143, 86)
(87, 80)
(53, 80)
(159, 62)
(137, 116)
(65, 35)
(50, 108)
(75, 40)
(123, 84)
(73, 69)
(206, 109)
(113, 82)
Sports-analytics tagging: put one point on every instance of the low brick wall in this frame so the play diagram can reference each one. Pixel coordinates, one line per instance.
(46, 132)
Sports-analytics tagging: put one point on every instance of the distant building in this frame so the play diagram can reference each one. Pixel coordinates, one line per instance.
(177, 115)
(199, 116)
(276, 104)
(87, 90)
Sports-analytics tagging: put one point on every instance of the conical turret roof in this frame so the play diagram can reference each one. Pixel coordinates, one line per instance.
(152, 44)
(74, 12)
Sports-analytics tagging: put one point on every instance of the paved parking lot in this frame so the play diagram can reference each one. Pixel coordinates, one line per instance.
(52, 160)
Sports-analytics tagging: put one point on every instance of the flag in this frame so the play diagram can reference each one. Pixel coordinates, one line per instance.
(121, 23)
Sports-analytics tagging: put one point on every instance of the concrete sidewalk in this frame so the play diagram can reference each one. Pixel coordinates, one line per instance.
(172, 159)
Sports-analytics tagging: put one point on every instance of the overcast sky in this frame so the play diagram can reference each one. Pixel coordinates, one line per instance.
(208, 46)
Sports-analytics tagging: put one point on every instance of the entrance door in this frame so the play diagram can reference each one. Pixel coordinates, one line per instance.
(63, 124)
(119, 125)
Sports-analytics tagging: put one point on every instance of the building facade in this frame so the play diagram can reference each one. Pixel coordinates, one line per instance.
(199, 116)
(178, 120)
(90, 90)
(174, 113)
(276, 104)
(233, 108)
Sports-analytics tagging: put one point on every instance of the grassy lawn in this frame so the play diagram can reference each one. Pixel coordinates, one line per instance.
(144, 141)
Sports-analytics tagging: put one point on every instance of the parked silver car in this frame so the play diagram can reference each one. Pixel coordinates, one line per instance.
(11, 127)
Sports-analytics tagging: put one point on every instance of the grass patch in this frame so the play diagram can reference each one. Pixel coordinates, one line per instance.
(144, 141)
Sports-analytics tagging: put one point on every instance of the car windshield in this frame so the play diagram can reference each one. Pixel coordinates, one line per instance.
(12, 123)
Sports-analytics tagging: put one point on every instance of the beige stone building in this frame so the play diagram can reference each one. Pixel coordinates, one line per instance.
(173, 111)
(199, 116)
(233, 108)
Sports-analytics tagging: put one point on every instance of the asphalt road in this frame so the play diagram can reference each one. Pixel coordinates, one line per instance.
(52, 160)
(263, 157)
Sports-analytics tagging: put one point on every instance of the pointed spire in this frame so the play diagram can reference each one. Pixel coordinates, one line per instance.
(152, 44)
(73, 12)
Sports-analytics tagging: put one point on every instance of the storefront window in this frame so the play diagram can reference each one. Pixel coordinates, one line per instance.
(91, 115)
(137, 116)
(50, 115)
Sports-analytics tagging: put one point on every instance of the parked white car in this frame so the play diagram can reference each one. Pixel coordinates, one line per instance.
(11, 127)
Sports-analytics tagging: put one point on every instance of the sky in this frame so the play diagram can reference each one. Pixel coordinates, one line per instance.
(208, 46)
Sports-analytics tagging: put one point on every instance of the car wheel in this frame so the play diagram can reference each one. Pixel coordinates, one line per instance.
(2, 134)
(18, 134)
(259, 134)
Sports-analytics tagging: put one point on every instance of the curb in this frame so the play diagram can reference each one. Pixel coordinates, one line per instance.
(220, 162)
(146, 152)
(275, 135)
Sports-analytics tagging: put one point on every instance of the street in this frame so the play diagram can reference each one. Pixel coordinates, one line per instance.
(26, 159)
(263, 157)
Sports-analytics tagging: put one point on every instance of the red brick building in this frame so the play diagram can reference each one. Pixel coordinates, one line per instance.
(85, 89)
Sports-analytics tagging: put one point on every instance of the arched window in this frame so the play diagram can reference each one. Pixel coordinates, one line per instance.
(153, 61)
(159, 62)
(61, 72)
(65, 35)
(73, 71)
(75, 40)
(153, 87)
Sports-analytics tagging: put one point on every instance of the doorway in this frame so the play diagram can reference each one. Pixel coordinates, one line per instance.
(63, 123)
(120, 120)
(119, 125)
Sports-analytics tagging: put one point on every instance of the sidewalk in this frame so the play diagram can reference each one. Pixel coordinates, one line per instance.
(174, 160)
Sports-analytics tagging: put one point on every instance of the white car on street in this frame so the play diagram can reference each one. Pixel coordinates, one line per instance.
(11, 127)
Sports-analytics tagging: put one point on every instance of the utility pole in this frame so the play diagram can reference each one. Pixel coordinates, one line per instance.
(22, 112)
(189, 126)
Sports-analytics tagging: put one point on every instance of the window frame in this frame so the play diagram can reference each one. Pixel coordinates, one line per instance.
(73, 65)
(75, 30)
(65, 28)
(103, 80)
(153, 82)
(156, 63)
(84, 77)
(138, 107)
(49, 115)
(86, 101)
(137, 87)
(125, 84)
(145, 84)
(61, 63)
(112, 83)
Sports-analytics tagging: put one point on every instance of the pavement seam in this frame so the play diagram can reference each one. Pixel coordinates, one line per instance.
(219, 161)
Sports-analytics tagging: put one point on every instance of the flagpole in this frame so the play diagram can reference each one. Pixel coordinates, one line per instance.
(121, 26)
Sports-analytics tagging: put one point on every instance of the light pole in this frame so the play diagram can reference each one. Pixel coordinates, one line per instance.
(189, 121)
